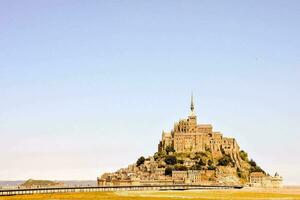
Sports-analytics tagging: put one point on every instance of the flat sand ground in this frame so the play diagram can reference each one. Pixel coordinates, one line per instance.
(247, 193)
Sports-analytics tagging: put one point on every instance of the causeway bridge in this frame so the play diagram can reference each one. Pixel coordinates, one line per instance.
(10, 192)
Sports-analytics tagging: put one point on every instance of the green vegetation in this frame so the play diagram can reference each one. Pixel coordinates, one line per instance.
(201, 155)
(201, 162)
(211, 167)
(240, 174)
(180, 167)
(159, 155)
(140, 161)
(168, 171)
(180, 161)
(205, 161)
(207, 149)
(252, 163)
(257, 169)
(171, 160)
(225, 160)
(170, 149)
(199, 165)
(254, 167)
(244, 155)
(182, 156)
(196, 167)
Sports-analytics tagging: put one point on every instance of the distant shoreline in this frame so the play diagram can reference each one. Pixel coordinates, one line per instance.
(15, 183)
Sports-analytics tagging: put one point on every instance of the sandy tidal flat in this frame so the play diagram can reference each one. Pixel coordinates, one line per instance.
(248, 193)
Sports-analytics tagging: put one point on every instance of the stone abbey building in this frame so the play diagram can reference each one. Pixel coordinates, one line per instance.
(188, 136)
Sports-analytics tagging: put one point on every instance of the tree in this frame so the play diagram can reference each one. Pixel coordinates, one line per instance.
(244, 155)
(180, 161)
(170, 149)
(168, 171)
(252, 163)
(256, 169)
(201, 162)
(156, 156)
(211, 167)
(159, 154)
(225, 161)
(171, 160)
(140, 161)
(196, 167)
(180, 167)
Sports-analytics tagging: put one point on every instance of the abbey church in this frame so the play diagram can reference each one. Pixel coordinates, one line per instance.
(188, 136)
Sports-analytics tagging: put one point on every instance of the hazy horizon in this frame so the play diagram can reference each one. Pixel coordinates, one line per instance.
(88, 86)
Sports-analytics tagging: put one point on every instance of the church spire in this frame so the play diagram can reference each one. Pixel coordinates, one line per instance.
(192, 106)
(192, 103)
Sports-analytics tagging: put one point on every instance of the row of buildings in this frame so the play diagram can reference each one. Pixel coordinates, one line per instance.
(259, 179)
(177, 177)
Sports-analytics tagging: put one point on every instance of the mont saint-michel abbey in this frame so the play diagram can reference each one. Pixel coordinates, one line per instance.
(193, 153)
(188, 136)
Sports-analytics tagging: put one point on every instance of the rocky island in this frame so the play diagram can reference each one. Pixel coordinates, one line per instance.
(193, 153)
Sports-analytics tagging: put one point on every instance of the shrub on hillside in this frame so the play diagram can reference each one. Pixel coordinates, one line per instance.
(201, 162)
(170, 149)
(211, 167)
(256, 169)
(171, 160)
(244, 155)
(168, 171)
(252, 163)
(160, 154)
(140, 161)
(179, 167)
(179, 161)
(196, 167)
(224, 161)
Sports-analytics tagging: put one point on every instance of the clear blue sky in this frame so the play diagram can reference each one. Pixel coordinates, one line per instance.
(88, 86)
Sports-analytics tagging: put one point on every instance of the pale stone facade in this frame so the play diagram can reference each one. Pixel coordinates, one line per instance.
(259, 179)
(188, 136)
(187, 177)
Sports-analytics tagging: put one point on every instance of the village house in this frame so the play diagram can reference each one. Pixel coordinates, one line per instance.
(259, 179)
